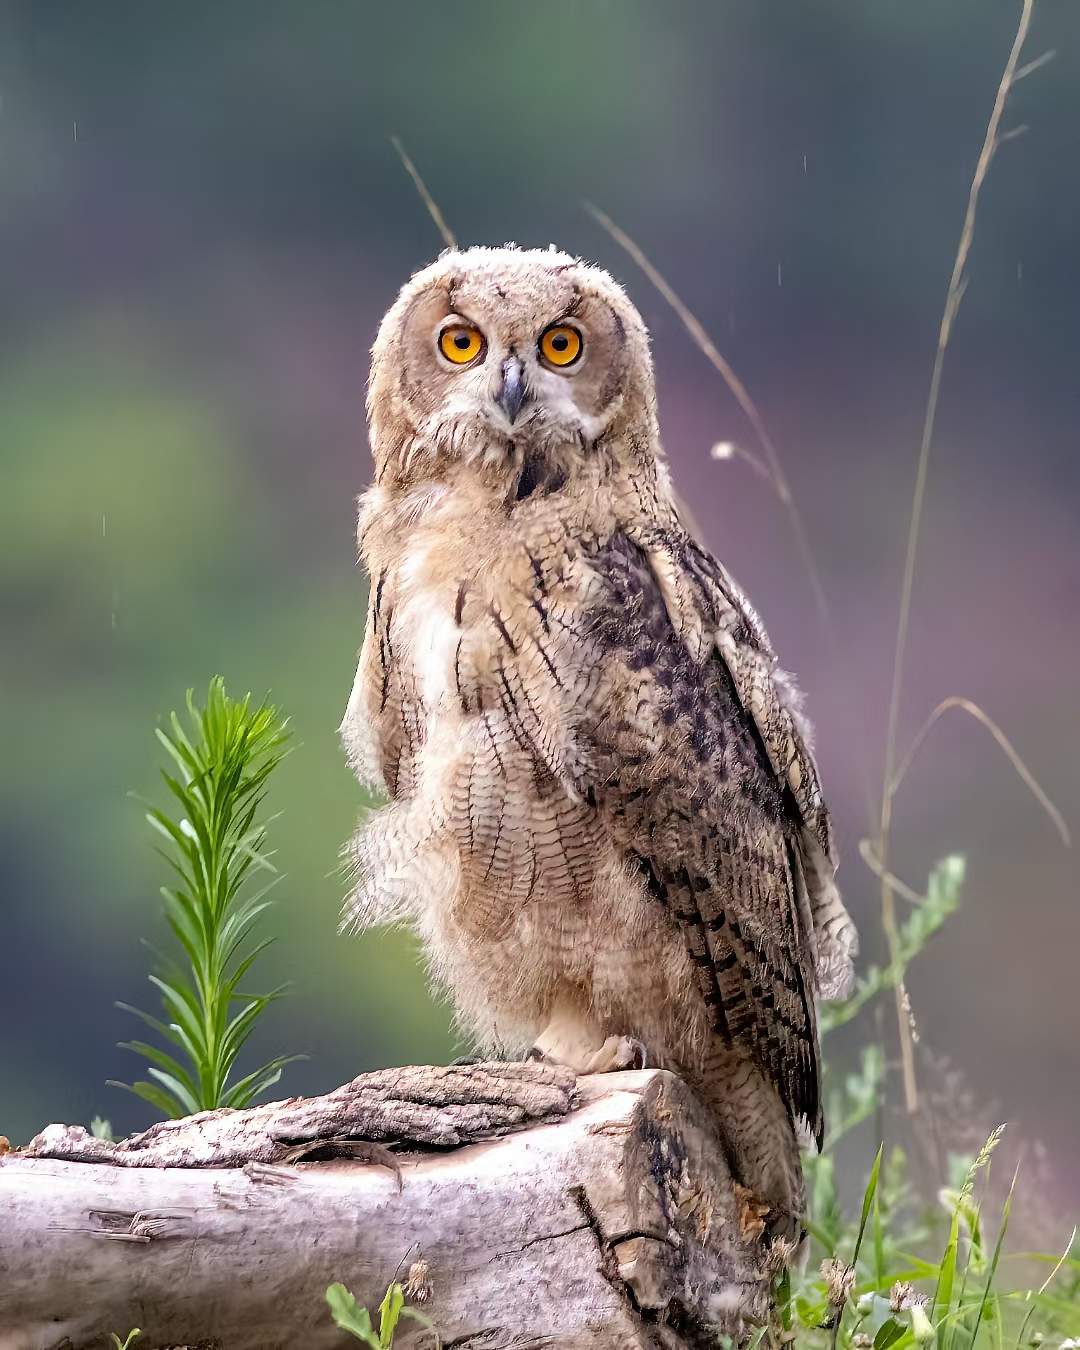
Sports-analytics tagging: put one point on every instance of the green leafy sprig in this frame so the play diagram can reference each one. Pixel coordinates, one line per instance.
(942, 899)
(217, 849)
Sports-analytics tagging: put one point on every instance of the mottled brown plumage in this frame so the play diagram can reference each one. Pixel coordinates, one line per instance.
(604, 819)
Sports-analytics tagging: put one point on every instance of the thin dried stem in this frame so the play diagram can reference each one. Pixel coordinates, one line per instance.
(973, 710)
(870, 858)
(770, 469)
(778, 478)
(1061, 1261)
(731, 450)
(953, 297)
(425, 196)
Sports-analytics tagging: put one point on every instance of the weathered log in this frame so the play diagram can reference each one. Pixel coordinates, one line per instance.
(432, 1106)
(545, 1212)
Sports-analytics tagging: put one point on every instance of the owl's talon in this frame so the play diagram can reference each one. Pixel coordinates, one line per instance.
(617, 1052)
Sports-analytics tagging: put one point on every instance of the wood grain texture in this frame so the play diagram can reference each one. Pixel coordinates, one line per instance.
(437, 1106)
(615, 1225)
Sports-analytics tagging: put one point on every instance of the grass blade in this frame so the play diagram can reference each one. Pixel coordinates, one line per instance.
(1003, 1228)
(868, 1200)
(952, 304)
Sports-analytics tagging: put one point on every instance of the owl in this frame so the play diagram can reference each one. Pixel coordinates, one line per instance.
(603, 815)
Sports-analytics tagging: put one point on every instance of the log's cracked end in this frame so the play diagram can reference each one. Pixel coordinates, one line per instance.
(677, 1238)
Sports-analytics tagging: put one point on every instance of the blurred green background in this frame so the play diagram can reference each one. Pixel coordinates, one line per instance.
(201, 222)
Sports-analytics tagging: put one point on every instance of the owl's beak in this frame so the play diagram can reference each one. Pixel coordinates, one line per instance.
(512, 391)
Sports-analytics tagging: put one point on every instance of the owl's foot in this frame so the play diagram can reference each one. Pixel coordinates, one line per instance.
(572, 1038)
(617, 1052)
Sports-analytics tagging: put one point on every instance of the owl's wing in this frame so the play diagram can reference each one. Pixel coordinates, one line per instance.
(671, 728)
(684, 778)
(775, 706)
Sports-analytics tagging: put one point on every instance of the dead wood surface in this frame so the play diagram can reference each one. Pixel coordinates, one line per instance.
(549, 1212)
(433, 1106)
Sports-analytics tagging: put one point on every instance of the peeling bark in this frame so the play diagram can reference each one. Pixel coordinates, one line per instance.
(429, 1106)
(597, 1213)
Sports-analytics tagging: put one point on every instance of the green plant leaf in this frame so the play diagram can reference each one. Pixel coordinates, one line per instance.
(417, 1316)
(241, 1093)
(1002, 1230)
(349, 1316)
(188, 1099)
(783, 1298)
(164, 1062)
(167, 1031)
(888, 1334)
(879, 1239)
(389, 1312)
(165, 1102)
(942, 1304)
(868, 1200)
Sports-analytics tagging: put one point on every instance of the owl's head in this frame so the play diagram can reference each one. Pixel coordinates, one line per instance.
(494, 354)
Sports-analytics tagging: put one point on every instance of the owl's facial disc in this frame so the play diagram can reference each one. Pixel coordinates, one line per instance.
(558, 347)
(516, 373)
(492, 356)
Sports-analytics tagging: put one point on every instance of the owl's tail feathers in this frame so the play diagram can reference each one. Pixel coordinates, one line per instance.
(761, 1146)
(835, 936)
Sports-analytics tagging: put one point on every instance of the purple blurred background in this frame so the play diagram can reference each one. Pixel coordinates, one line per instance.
(201, 223)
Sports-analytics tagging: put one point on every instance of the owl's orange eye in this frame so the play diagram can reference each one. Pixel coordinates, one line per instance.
(461, 344)
(560, 345)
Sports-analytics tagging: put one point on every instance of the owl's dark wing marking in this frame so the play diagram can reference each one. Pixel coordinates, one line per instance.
(752, 663)
(767, 693)
(398, 710)
(685, 783)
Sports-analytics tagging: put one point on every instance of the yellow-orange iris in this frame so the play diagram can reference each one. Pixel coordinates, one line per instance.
(461, 344)
(561, 345)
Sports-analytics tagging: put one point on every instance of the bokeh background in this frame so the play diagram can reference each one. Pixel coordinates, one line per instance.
(201, 222)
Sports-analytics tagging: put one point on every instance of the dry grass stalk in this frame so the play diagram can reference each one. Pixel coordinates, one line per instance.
(1025, 774)
(957, 285)
(425, 196)
(776, 476)
(870, 858)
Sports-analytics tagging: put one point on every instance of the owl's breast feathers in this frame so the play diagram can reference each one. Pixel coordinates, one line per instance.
(615, 688)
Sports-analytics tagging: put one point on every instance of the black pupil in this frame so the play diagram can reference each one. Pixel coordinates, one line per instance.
(462, 341)
(560, 342)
